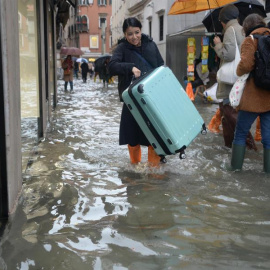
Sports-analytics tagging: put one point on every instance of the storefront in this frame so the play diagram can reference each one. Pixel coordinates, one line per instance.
(28, 92)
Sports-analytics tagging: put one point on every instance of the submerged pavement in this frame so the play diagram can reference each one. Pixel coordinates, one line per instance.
(84, 206)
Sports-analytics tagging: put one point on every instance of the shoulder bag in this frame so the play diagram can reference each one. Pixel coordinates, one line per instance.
(237, 90)
(227, 72)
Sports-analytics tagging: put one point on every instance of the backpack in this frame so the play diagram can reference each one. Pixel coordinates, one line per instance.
(261, 73)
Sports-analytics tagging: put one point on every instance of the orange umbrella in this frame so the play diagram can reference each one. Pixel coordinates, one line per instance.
(194, 6)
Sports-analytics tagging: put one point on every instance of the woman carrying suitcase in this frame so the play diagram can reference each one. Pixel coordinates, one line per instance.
(135, 54)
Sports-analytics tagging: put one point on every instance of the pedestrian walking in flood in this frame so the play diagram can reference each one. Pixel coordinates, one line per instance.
(135, 54)
(226, 51)
(84, 68)
(91, 70)
(67, 65)
(76, 69)
(255, 101)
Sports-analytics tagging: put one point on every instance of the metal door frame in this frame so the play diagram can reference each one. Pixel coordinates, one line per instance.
(3, 155)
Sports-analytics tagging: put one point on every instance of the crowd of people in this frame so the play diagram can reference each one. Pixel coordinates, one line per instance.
(137, 53)
(72, 69)
(255, 101)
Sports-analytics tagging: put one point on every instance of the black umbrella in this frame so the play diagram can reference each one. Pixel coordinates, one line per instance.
(245, 8)
(99, 63)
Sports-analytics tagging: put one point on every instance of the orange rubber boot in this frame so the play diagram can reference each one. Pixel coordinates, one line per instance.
(189, 91)
(153, 158)
(135, 154)
(258, 135)
(215, 122)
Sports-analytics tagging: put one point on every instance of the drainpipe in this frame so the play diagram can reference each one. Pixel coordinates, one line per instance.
(103, 38)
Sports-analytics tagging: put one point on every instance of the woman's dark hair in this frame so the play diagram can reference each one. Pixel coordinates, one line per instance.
(252, 21)
(133, 22)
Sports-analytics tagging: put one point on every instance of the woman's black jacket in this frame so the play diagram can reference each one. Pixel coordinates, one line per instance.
(125, 57)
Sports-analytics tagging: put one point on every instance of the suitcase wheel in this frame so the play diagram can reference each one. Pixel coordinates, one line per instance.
(203, 131)
(163, 159)
(182, 155)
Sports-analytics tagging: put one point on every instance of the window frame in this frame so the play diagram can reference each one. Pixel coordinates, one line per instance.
(102, 2)
(161, 27)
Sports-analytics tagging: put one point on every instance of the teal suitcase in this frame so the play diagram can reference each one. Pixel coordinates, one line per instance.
(164, 112)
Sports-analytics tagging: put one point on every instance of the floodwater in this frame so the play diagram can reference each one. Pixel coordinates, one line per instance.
(84, 207)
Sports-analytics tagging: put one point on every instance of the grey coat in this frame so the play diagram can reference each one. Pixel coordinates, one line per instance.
(226, 52)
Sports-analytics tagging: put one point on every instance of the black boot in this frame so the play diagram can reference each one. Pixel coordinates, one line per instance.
(266, 160)
(66, 84)
(237, 159)
(71, 85)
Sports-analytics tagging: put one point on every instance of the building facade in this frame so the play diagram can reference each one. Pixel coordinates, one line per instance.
(93, 25)
(170, 32)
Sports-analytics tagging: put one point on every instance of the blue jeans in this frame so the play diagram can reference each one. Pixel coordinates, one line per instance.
(70, 83)
(244, 123)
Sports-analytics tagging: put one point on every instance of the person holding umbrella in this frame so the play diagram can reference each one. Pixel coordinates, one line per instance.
(67, 65)
(226, 52)
(135, 54)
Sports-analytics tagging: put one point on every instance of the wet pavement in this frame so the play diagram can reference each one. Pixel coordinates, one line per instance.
(84, 206)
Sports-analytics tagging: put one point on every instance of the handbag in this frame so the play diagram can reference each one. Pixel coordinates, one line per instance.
(227, 72)
(237, 90)
(67, 71)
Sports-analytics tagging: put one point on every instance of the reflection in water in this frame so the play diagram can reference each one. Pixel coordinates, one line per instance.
(85, 207)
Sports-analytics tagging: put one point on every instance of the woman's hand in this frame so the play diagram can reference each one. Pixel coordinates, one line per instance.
(216, 40)
(136, 72)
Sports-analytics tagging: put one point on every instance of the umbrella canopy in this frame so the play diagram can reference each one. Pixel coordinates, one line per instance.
(71, 51)
(81, 60)
(245, 8)
(194, 6)
(100, 62)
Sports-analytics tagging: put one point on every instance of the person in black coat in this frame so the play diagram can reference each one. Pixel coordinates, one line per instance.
(135, 54)
(84, 68)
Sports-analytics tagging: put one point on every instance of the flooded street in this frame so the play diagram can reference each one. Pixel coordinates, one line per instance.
(84, 206)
